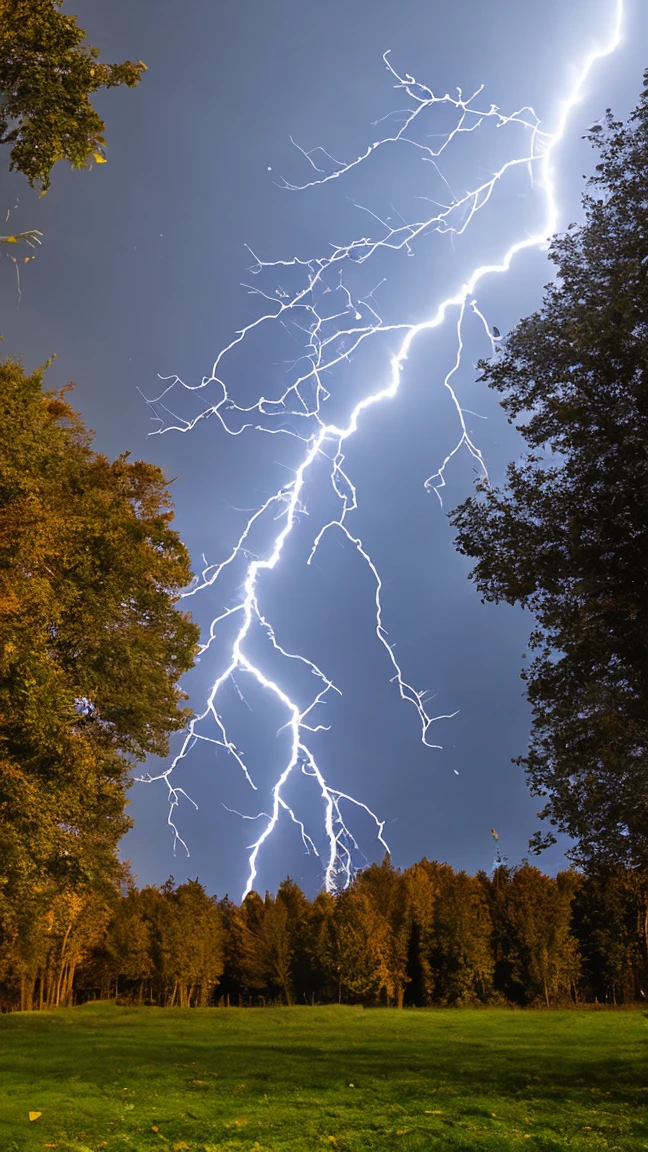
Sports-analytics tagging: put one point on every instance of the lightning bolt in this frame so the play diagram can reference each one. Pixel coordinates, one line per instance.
(333, 322)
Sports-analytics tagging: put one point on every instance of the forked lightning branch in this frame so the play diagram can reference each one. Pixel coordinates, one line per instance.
(334, 321)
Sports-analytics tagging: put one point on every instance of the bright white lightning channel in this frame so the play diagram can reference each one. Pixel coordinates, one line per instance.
(331, 337)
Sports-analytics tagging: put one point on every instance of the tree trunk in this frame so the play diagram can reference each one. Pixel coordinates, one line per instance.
(69, 991)
(62, 963)
(26, 993)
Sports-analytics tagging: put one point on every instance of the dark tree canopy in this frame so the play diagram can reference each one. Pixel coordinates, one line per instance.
(92, 644)
(47, 77)
(426, 936)
(567, 536)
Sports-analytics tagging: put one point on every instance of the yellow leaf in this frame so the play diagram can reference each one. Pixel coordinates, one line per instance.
(433, 1112)
(99, 158)
(35, 1115)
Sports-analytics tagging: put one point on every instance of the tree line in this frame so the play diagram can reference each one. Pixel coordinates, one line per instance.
(425, 936)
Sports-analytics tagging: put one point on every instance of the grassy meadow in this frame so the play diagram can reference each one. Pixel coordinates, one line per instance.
(303, 1079)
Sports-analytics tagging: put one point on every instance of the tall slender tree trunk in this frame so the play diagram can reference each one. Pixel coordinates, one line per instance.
(60, 984)
(26, 994)
(62, 963)
(51, 987)
(69, 991)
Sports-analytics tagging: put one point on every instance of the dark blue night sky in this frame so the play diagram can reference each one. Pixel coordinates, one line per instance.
(139, 277)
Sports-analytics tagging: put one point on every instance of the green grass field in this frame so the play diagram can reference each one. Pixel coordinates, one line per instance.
(293, 1079)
